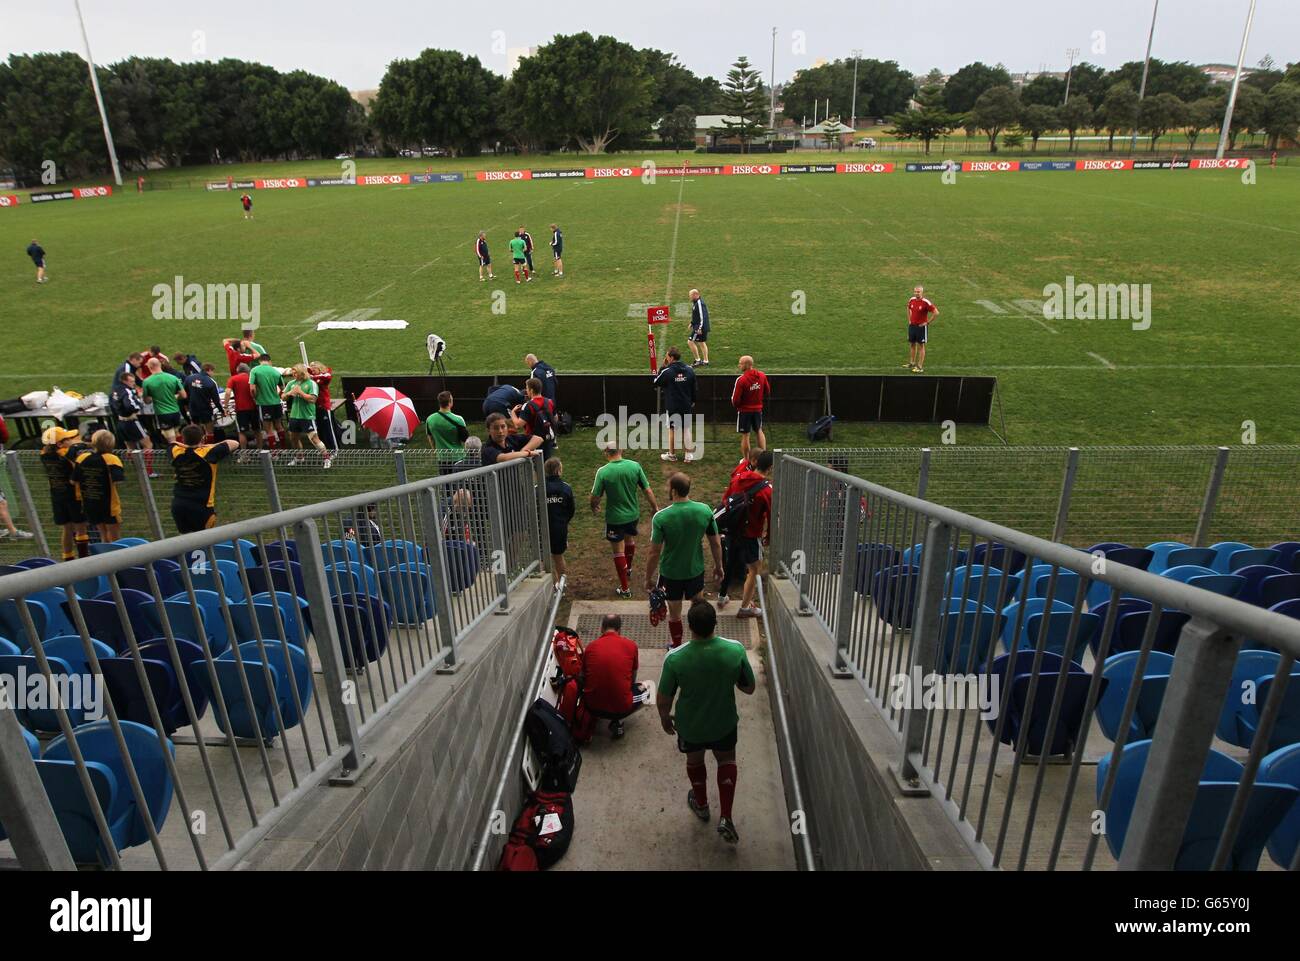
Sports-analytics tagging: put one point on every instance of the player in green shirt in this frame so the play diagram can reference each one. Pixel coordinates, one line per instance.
(447, 431)
(266, 383)
(301, 393)
(676, 560)
(618, 481)
(706, 672)
(519, 252)
(166, 391)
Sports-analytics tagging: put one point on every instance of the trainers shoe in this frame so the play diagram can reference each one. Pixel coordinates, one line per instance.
(908, 366)
(701, 812)
(530, 280)
(616, 729)
(704, 363)
(695, 363)
(327, 463)
(154, 475)
(920, 370)
(728, 831)
(749, 612)
(620, 592)
(669, 456)
(723, 601)
(293, 463)
(24, 535)
(688, 458)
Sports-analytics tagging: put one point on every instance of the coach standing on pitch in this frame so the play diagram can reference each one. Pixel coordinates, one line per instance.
(677, 381)
(37, 253)
(557, 249)
(920, 311)
(699, 335)
(748, 396)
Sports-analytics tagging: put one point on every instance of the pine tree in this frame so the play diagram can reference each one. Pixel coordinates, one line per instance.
(742, 99)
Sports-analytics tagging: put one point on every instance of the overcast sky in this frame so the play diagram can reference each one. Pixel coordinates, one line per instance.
(353, 42)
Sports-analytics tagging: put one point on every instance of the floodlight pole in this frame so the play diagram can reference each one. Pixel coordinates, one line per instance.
(771, 115)
(853, 112)
(1146, 65)
(1069, 73)
(99, 99)
(1236, 80)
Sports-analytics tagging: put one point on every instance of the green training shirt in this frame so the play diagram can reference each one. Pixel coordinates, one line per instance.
(679, 528)
(518, 248)
(300, 409)
(161, 389)
(706, 672)
(618, 482)
(265, 380)
(441, 426)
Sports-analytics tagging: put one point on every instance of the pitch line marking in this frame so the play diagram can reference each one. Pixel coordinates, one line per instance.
(672, 251)
(376, 293)
(1102, 360)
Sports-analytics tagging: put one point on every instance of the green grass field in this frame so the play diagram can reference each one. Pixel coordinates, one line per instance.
(1219, 256)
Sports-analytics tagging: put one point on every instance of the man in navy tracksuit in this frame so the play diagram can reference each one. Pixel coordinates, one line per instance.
(557, 249)
(677, 381)
(528, 247)
(503, 399)
(484, 257)
(543, 372)
(699, 335)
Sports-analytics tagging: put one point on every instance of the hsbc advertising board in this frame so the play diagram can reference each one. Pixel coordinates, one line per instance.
(78, 193)
(559, 174)
(1047, 165)
(1104, 165)
(864, 168)
(381, 180)
(689, 171)
(280, 183)
(8, 200)
(330, 182)
(492, 176)
(600, 173)
(929, 167)
(989, 166)
(1227, 163)
(453, 178)
(747, 169)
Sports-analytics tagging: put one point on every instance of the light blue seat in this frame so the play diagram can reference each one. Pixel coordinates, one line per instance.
(1229, 585)
(340, 551)
(187, 623)
(20, 666)
(89, 587)
(1223, 552)
(1058, 632)
(232, 550)
(57, 623)
(1283, 767)
(71, 650)
(408, 589)
(1286, 729)
(1160, 552)
(352, 576)
(225, 579)
(131, 541)
(1185, 572)
(1032, 606)
(107, 548)
(954, 584)
(1242, 691)
(294, 614)
(271, 685)
(1119, 670)
(11, 621)
(8, 647)
(961, 635)
(1267, 806)
(390, 553)
(213, 621)
(1251, 556)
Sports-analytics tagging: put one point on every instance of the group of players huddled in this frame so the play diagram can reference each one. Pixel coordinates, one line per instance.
(521, 253)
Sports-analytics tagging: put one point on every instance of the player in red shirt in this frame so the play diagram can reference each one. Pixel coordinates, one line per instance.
(247, 201)
(748, 396)
(609, 666)
(322, 376)
(238, 352)
(920, 311)
(745, 542)
(239, 392)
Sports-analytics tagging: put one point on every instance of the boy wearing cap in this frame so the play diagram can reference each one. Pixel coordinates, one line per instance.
(97, 471)
(62, 447)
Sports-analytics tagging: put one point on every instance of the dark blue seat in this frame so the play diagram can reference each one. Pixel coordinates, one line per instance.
(1126, 605)
(911, 557)
(1119, 671)
(1278, 589)
(871, 559)
(1139, 557)
(191, 658)
(462, 564)
(392, 552)
(1287, 551)
(1040, 741)
(128, 694)
(894, 593)
(1131, 628)
(31, 563)
(102, 622)
(1253, 577)
(271, 683)
(134, 602)
(1242, 699)
(276, 577)
(1229, 585)
(1267, 806)
(19, 666)
(9, 647)
(363, 629)
(966, 641)
(1283, 767)
(1185, 572)
(126, 820)
(234, 550)
(408, 589)
(1032, 605)
(1286, 730)
(166, 572)
(187, 622)
(1194, 556)
(1251, 557)
(999, 556)
(1058, 632)
(10, 569)
(276, 551)
(11, 622)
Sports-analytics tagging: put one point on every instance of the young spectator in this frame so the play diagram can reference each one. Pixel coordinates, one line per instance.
(706, 672)
(559, 511)
(58, 456)
(748, 396)
(301, 397)
(677, 381)
(676, 560)
(166, 391)
(744, 550)
(620, 479)
(194, 497)
(239, 398)
(126, 406)
(267, 383)
(503, 445)
(609, 665)
(97, 472)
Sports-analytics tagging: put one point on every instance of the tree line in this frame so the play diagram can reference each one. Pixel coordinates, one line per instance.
(1178, 97)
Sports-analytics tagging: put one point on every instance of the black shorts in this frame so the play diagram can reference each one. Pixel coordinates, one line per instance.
(191, 517)
(747, 420)
(727, 743)
(520, 260)
(616, 532)
(247, 420)
(682, 590)
(131, 431)
(301, 425)
(698, 337)
(99, 513)
(557, 252)
(270, 412)
(169, 421)
(67, 510)
(743, 550)
(682, 414)
(559, 541)
(485, 261)
(916, 333)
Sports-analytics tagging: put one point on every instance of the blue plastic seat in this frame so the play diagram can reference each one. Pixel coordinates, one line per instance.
(213, 621)
(1253, 577)
(132, 541)
(1105, 547)
(11, 622)
(363, 629)
(954, 586)
(102, 622)
(166, 572)
(1125, 605)
(871, 559)
(134, 602)
(105, 548)
(128, 694)
(127, 822)
(276, 577)
(188, 623)
(233, 550)
(1229, 585)
(10, 569)
(1160, 551)
(1286, 553)
(295, 615)
(1197, 556)
(1058, 632)
(58, 623)
(408, 589)
(966, 641)
(1119, 671)
(1032, 605)
(1267, 806)
(1223, 552)
(1286, 729)
(1185, 572)
(1040, 741)
(224, 579)
(894, 594)
(8, 647)
(1139, 557)
(1131, 628)
(34, 749)
(392, 552)
(271, 684)
(18, 666)
(999, 556)
(70, 649)
(340, 551)
(911, 557)
(74, 814)
(31, 563)
(463, 563)
(1283, 767)
(276, 551)
(241, 616)
(192, 661)
(1243, 699)
(1278, 589)
(1251, 557)
(90, 586)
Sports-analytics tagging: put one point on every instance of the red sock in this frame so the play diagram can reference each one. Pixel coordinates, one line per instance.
(620, 565)
(698, 775)
(148, 461)
(726, 787)
(675, 630)
(629, 551)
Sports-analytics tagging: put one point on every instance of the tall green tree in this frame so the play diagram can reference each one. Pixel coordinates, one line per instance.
(928, 121)
(1036, 119)
(441, 98)
(966, 85)
(678, 128)
(996, 109)
(1202, 115)
(1075, 116)
(1119, 111)
(1044, 90)
(48, 113)
(1185, 81)
(1159, 114)
(742, 98)
(1282, 113)
(673, 85)
(1247, 114)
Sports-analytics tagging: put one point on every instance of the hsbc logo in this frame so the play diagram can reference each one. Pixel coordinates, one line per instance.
(380, 179)
(752, 169)
(501, 175)
(1104, 164)
(991, 166)
(857, 168)
(613, 172)
(280, 183)
(8, 201)
(92, 191)
(1227, 163)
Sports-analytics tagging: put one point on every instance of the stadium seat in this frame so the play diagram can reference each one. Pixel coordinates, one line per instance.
(1032, 605)
(276, 551)
(72, 650)
(106, 548)
(1251, 665)
(166, 572)
(90, 586)
(871, 560)
(234, 550)
(131, 541)
(1286, 729)
(214, 620)
(57, 623)
(976, 630)
(998, 556)
(1119, 671)
(271, 683)
(1185, 572)
(8, 647)
(1067, 586)
(10, 569)
(39, 718)
(894, 595)
(955, 584)
(1058, 632)
(11, 621)
(1017, 670)
(390, 553)
(1199, 556)
(1140, 557)
(340, 551)
(462, 564)
(186, 622)
(128, 694)
(1131, 628)
(1267, 806)
(34, 749)
(103, 622)
(1126, 605)
(363, 629)
(1229, 585)
(192, 661)
(1105, 547)
(352, 579)
(1283, 767)
(1160, 551)
(1254, 575)
(1286, 553)
(134, 602)
(408, 589)
(1250, 558)
(1223, 552)
(1277, 589)
(31, 563)
(98, 746)
(295, 615)
(224, 579)
(912, 556)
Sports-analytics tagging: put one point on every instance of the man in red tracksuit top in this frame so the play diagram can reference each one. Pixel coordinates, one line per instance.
(744, 542)
(609, 665)
(748, 396)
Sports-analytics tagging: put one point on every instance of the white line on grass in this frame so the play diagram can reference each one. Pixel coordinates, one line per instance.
(1102, 360)
(672, 251)
(376, 293)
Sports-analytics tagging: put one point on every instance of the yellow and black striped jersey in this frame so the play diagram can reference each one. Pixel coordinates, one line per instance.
(196, 472)
(97, 476)
(58, 463)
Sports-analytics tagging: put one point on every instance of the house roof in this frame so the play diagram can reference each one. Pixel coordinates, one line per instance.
(707, 121)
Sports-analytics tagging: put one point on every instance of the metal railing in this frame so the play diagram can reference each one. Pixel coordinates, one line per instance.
(1091, 494)
(300, 629)
(1001, 742)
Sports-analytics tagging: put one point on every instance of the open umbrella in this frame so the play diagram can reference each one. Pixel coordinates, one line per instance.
(387, 412)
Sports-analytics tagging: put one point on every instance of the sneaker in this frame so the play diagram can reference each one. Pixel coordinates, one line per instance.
(704, 363)
(518, 281)
(154, 475)
(530, 280)
(723, 601)
(750, 612)
(482, 280)
(620, 592)
(728, 831)
(695, 363)
(293, 463)
(908, 366)
(700, 811)
(560, 274)
(24, 535)
(669, 456)
(616, 729)
(327, 463)
(688, 458)
(920, 370)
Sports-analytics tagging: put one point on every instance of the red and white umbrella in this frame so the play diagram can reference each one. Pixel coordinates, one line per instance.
(387, 412)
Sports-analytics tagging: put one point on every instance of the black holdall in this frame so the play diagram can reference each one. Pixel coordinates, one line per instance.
(820, 429)
(556, 749)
